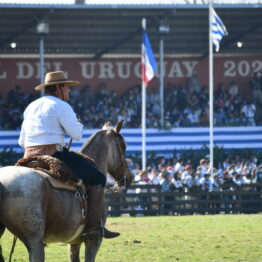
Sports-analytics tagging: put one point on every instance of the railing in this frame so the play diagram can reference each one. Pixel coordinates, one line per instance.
(148, 200)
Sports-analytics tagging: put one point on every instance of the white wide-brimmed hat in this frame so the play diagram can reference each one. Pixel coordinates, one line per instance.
(57, 77)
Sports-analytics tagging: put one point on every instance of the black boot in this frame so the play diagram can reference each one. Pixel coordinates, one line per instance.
(109, 234)
(95, 209)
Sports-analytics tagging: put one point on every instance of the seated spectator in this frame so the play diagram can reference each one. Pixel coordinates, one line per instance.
(192, 181)
(220, 117)
(186, 122)
(217, 182)
(258, 174)
(176, 182)
(238, 180)
(204, 117)
(186, 173)
(227, 181)
(153, 176)
(206, 183)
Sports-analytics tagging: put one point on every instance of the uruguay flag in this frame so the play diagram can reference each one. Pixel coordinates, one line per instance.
(218, 29)
(148, 63)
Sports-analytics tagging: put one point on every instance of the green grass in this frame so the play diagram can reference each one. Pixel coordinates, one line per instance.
(216, 238)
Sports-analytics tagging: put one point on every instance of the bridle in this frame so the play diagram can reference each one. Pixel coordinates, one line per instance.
(124, 166)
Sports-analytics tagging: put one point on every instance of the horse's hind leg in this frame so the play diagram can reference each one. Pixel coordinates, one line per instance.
(73, 251)
(2, 229)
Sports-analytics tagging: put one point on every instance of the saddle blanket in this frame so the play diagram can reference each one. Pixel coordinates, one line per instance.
(57, 172)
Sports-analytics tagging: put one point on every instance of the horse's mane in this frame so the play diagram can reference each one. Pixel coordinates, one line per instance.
(107, 126)
(89, 140)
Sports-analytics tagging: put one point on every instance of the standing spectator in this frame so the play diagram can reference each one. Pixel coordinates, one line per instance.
(194, 83)
(203, 167)
(233, 89)
(207, 186)
(166, 188)
(217, 184)
(194, 115)
(256, 87)
(227, 186)
(179, 165)
(248, 112)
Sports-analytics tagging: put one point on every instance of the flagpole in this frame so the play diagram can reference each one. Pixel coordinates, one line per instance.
(211, 98)
(143, 111)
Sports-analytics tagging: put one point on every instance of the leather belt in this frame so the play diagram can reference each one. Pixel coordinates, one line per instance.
(40, 150)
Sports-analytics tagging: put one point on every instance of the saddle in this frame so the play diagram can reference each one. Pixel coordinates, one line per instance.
(57, 172)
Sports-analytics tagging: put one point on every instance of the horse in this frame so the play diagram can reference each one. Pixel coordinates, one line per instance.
(38, 214)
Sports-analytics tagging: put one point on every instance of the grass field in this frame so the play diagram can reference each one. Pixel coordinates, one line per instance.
(218, 238)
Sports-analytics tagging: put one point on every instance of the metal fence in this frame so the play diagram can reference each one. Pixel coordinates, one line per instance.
(148, 200)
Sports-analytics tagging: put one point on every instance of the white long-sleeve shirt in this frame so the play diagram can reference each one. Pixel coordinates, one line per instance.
(47, 120)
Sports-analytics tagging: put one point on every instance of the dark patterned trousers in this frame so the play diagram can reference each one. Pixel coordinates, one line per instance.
(84, 168)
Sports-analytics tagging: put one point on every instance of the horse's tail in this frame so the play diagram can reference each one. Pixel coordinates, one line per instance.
(2, 229)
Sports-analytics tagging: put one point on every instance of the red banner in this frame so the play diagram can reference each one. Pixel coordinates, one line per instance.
(122, 73)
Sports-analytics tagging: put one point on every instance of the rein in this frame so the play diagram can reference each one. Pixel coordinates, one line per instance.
(123, 163)
(13, 248)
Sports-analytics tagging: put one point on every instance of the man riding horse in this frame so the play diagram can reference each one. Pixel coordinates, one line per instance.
(46, 122)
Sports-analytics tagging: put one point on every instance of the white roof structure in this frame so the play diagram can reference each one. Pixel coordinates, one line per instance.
(132, 2)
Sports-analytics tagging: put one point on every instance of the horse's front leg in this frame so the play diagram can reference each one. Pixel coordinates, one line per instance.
(36, 250)
(91, 249)
(73, 252)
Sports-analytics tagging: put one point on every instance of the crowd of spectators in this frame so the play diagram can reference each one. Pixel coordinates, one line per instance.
(176, 174)
(12, 108)
(185, 105)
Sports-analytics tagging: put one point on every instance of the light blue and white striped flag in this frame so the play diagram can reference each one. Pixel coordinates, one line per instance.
(218, 29)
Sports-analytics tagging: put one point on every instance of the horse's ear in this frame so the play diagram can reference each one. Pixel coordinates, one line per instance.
(119, 126)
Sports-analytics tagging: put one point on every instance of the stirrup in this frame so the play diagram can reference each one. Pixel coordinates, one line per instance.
(94, 234)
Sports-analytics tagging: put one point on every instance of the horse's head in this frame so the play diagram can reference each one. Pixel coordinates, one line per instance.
(117, 165)
(107, 147)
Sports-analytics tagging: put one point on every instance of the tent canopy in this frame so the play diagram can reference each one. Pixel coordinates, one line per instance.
(98, 31)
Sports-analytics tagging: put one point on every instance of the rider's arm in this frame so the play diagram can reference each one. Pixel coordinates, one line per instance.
(21, 140)
(69, 122)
